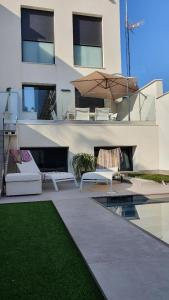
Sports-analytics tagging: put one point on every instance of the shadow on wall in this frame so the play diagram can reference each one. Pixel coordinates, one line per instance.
(125, 108)
(40, 138)
(140, 106)
(10, 72)
(10, 53)
(75, 139)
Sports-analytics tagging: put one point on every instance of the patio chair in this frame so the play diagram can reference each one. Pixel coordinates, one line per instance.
(113, 117)
(102, 114)
(100, 175)
(82, 114)
(55, 177)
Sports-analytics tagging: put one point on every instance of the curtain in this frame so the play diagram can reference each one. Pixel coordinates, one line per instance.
(109, 158)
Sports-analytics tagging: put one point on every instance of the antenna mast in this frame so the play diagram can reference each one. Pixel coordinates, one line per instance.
(129, 27)
(127, 33)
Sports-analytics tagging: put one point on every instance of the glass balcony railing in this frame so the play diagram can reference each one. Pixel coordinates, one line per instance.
(136, 108)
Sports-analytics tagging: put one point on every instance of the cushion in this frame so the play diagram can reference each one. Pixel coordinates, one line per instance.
(112, 169)
(20, 177)
(98, 176)
(58, 175)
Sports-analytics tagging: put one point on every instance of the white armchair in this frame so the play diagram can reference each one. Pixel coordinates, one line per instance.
(82, 114)
(113, 117)
(102, 114)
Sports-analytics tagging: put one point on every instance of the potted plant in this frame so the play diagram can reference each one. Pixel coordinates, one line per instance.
(82, 163)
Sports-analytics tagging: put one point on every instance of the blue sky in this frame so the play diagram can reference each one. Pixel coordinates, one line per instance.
(149, 43)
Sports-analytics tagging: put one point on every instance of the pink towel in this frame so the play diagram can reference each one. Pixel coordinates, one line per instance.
(25, 156)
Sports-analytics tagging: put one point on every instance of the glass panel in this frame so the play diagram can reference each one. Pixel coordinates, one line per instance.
(88, 56)
(29, 99)
(40, 99)
(38, 52)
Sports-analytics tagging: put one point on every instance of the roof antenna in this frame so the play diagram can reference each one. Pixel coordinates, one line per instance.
(129, 27)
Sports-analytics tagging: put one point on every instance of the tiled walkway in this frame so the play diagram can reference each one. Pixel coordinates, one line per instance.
(127, 263)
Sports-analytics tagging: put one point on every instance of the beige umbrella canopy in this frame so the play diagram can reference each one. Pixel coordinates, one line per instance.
(105, 86)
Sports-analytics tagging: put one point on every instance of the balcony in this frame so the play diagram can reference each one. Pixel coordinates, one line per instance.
(139, 108)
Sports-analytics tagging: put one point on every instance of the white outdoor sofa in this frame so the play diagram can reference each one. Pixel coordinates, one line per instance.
(29, 180)
(23, 184)
(100, 175)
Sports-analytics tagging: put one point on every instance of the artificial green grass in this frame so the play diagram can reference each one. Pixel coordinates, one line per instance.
(38, 259)
(155, 177)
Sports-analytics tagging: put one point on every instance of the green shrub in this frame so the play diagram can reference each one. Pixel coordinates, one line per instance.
(82, 163)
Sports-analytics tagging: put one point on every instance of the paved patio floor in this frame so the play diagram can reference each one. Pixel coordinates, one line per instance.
(68, 191)
(126, 262)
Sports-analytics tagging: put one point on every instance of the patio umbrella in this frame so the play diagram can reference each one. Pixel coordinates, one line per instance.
(105, 86)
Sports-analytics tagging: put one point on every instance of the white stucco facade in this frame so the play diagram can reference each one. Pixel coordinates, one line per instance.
(14, 72)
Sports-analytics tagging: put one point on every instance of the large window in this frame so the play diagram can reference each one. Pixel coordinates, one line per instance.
(37, 28)
(51, 159)
(40, 100)
(87, 36)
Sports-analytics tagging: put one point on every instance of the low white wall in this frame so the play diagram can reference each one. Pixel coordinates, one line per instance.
(142, 104)
(162, 108)
(84, 137)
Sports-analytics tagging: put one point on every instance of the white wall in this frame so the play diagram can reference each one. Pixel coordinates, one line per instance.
(162, 107)
(142, 105)
(81, 137)
(13, 72)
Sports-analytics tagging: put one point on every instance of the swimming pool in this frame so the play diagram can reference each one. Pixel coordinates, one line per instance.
(150, 213)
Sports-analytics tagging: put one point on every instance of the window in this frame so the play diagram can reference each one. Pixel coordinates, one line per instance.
(40, 100)
(126, 163)
(92, 103)
(37, 29)
(87, 36)
(51, 159)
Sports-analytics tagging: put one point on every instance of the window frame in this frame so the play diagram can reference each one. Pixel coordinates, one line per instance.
(22, 40)
(47, 86)
(102, 44)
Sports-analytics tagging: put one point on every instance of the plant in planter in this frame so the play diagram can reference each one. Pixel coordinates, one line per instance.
(82, 163)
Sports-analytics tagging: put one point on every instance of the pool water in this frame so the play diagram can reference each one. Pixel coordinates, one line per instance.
(148, 213)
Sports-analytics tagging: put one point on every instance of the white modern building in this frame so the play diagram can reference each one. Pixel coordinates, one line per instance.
(47, 44)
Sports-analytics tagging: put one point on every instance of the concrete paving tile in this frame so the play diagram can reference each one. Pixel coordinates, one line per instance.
(133, 280)
(102, 236)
